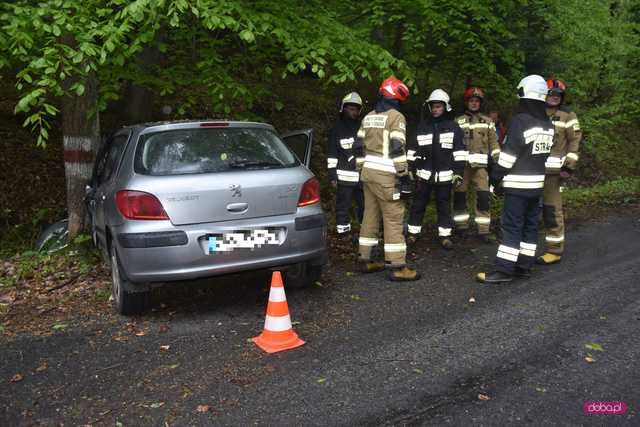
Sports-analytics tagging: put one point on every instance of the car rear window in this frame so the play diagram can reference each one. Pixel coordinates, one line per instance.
(194, 151)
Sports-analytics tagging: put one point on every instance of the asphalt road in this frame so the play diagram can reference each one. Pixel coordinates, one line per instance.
(377, 352)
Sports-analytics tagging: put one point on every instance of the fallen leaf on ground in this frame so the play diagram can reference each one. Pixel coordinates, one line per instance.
(294, 323)
(321, 380)
(203, 408)
(356, 297)
(7, 298)
(42, 367)
(141, 334)
(59, 326)
(319, 284)
(589, 359)
(418, 371)
(594, 346)
(349, 273)
(165, 347)
(483, 397)
(16, 378)
(156, 405)
(174, 366)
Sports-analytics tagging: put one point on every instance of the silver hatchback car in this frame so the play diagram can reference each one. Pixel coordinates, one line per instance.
(184, 200)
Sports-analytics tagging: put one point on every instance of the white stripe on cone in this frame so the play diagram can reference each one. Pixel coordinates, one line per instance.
(277, 324)
(276, 294)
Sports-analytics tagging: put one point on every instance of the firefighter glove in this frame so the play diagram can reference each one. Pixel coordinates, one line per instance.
(456, 180)
(358, 148)
(565, 173)
(406, 187)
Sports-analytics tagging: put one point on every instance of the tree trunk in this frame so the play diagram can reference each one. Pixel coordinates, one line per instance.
(81, 138)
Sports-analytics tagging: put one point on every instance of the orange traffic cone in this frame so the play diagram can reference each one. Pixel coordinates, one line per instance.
(278, 335)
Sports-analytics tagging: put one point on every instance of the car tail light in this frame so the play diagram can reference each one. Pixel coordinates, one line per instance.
(139, 205)
(310, 193)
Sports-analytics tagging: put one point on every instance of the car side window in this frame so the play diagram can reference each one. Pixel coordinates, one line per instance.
(112, 156)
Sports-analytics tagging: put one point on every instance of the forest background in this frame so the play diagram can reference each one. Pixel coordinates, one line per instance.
(88, 67)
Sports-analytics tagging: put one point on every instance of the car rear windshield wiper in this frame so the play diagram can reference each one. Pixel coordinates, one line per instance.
(242, 164)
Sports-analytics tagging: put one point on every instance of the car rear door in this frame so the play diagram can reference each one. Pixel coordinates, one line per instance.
(300, 142)
(104, 177)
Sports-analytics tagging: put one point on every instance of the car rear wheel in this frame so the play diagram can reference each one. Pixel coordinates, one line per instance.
(302, 275)
(128, 300)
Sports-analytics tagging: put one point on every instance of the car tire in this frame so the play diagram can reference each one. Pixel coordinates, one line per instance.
(127, 299)
(302, 275)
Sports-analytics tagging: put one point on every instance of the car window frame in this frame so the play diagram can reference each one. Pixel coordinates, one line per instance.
(138, 169)
(103, 158)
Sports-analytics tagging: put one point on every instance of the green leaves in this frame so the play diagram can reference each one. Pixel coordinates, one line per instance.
(594, 346)
(247, 36)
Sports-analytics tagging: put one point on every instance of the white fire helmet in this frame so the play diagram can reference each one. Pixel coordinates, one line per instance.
(533, 87)
(351, 98)
(439, 95)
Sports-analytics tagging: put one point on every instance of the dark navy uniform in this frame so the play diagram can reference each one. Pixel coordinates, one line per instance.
(341, 163)
(437, 154)
(521, 170)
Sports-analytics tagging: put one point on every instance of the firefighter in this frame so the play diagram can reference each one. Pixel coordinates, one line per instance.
(438, 156)
(382, 158)
(341, 162)
(481, 142)
(560, 166)
(520, 174)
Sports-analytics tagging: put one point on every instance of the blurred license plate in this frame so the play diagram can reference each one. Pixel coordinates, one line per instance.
(245, 239)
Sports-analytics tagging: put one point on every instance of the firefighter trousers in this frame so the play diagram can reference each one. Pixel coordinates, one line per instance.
(443, 206)
(345, 196)
(479, 179)
(553, 215)
(519, 233)
(381, 204)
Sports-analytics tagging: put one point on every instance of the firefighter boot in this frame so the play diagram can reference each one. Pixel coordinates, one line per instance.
(493, 277)
(368, 266)
(548, 258)
(404, 274)
(522, 273)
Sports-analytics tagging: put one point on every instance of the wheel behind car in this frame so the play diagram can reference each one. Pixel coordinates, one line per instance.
(302, 275)
(128, 300)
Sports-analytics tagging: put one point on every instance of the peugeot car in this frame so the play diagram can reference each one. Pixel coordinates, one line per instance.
(186, 200)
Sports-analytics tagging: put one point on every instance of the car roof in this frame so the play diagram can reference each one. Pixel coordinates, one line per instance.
(192, 124)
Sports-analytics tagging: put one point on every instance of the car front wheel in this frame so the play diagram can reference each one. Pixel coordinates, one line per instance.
(128, 300)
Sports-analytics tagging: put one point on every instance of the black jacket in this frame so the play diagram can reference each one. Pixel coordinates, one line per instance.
(521, 165)
(437, 151)
(341, 161)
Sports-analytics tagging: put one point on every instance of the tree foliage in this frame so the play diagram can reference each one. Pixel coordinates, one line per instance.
(222, 54)
(598, 57)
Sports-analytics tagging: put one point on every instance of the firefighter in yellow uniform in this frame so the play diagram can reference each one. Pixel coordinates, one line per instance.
(381, 157)
(559, 166)
(482, 145)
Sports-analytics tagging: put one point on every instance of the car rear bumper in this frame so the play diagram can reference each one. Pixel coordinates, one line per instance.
(143, 261)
